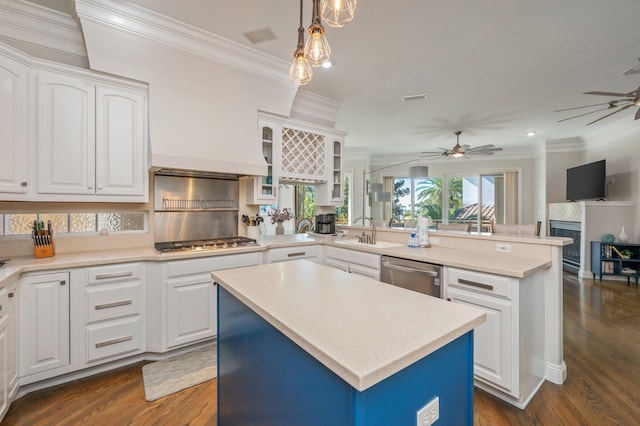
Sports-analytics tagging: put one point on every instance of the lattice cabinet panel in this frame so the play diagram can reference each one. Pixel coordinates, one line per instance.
(303, 155)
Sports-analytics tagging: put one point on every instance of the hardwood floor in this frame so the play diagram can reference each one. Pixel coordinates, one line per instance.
(601, 349)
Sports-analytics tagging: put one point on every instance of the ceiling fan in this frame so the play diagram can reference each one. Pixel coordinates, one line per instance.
(626, 101)
(462, 150)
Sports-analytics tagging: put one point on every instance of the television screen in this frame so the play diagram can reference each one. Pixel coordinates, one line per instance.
(586, 182)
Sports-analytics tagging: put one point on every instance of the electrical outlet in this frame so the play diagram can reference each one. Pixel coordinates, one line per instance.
(503, 248)
(428, 414)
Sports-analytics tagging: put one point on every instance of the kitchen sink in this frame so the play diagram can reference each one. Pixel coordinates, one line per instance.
(378, 244)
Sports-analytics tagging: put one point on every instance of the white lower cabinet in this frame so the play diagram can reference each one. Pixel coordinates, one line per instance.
(190, 309)
(509, 346)
(114, 316)
(44, 323)
(353, 261)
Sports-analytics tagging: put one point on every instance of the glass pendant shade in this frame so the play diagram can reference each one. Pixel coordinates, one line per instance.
(337, 13)
(300, 72)
(317, 48)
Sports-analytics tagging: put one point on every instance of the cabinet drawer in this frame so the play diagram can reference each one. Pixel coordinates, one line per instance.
(480, 282)
(291, 253)
(213, 263)
(112, 301)
(353, 256)
(114, 338)
(113, 273)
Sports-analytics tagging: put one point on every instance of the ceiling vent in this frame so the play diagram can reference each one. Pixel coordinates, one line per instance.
(260, 36)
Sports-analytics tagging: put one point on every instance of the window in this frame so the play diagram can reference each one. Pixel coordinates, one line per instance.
(343, 212)
(476, 199)
(73, 223)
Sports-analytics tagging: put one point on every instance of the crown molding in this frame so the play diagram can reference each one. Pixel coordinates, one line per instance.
(313, 105)
(610, 133)
(41, 27)
(141, 22)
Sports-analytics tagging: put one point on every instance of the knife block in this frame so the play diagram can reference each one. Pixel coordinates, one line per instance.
(44, 250)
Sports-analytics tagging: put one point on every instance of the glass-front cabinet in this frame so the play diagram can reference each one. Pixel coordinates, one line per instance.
(264, 189)
(331, 192)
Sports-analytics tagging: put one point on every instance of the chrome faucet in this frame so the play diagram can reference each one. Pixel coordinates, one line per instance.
(367, 238)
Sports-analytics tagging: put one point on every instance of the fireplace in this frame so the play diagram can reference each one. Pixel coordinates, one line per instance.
(571, 252)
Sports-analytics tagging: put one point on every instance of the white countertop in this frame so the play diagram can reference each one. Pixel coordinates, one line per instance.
(490, 262)
(361, 329)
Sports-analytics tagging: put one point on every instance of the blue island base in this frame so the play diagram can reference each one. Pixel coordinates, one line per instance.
(266, 379)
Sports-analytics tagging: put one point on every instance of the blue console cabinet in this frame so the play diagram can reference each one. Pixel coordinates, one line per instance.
(264, 378)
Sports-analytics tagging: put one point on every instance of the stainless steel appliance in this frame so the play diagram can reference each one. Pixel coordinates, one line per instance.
(326, 223)
(196, 212)
(413, 275)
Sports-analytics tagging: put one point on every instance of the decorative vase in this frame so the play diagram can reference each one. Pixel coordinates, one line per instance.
(623, 237)
(279, 229)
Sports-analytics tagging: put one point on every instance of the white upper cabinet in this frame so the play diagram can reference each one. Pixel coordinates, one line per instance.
(14, 136)
(91, 140)
(263, 190)
(65, 134)
(331, 192)
(120, 142)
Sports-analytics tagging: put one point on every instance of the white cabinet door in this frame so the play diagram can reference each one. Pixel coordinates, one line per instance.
(493, 340)
(330, 193)
(44, 322)
(13, 129)
(192, 309)
(12, 347)
(4, 352)
(65, 134)
(120, 142)
(264, 189)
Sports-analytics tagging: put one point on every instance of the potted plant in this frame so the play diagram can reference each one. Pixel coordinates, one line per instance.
(279, 216)
(626, 253)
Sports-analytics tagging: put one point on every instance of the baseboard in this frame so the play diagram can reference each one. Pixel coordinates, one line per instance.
(555, 373)
(90, 371)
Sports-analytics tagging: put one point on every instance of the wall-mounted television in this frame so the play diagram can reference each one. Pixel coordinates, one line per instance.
(587, 182)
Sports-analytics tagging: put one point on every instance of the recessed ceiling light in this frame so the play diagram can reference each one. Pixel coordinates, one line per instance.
(328, 64)
(415, 97)
(531, 133)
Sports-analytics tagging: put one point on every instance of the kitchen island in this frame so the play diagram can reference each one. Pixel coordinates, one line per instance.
(301, 343)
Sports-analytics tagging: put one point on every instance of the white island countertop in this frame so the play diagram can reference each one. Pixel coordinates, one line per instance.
(361, 329)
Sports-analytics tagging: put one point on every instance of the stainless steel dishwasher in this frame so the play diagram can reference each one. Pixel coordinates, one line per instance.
(418, 276)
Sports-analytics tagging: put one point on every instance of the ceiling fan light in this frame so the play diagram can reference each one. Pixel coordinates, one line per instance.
(338, 13)
(457, 154)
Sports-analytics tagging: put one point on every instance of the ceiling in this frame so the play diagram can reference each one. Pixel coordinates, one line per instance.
(495, 69)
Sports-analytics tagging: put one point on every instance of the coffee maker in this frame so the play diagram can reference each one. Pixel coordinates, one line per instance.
(326, 223)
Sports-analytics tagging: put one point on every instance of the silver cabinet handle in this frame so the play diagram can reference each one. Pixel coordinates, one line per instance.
(113, 305)
(113, 341)
(475, 284)
(111, 276)
(412, 270)
(299, 253)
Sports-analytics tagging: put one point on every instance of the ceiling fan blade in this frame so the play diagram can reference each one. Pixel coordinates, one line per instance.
(476, 148)
(588, 106)
(586, 113)
(610, 114)
(638, 114)
(620, 95)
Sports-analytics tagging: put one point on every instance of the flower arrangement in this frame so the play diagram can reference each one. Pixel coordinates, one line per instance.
(279, 216)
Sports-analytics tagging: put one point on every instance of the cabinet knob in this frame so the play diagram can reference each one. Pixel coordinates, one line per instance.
(23, 184)
(63, 282)
(11, 294)
(448, 299)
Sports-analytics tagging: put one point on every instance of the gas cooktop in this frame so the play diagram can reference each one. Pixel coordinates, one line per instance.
(200, 245)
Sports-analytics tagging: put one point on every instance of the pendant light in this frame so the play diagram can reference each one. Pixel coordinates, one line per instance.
(317, 48)
(337, 13)
(300, 72)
